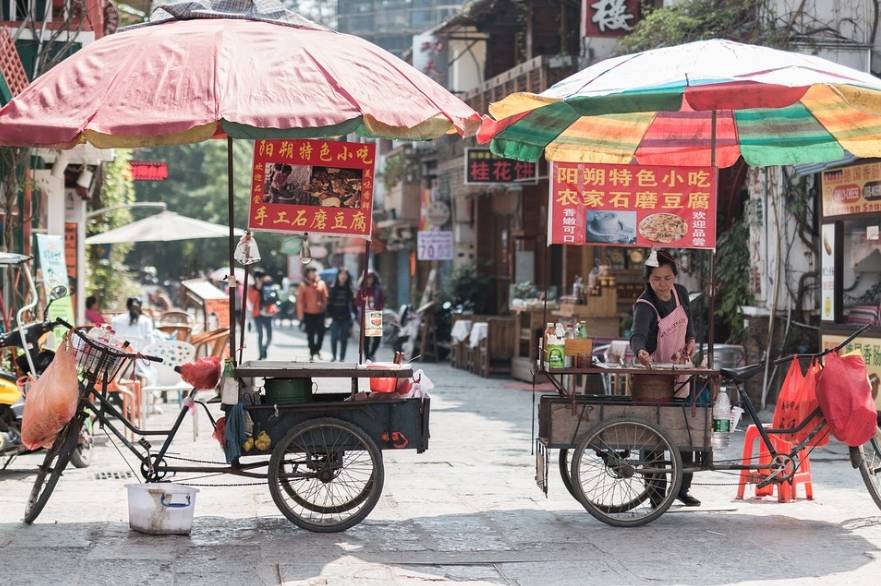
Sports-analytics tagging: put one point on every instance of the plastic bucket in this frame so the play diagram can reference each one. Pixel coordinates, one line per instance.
(288, 391)
(382, 384)
(161, 509)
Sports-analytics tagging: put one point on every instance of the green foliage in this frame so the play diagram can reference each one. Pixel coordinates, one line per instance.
(197, 187)
(108, 277)
(467, 285)
(749, 21)
(732, 270)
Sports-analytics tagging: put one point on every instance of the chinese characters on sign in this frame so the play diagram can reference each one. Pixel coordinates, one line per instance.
(852, 190)
(870, 348)
(632, 205)
(434, 245)
(482, 167)
(312, 186)
(605, 18)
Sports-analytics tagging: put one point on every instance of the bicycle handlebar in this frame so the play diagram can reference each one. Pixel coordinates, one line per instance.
(846, 341)
(134, 355)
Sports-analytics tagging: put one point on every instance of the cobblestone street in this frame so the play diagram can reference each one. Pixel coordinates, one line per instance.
(466, 511)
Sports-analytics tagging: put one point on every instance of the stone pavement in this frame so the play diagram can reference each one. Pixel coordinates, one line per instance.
(465, 511)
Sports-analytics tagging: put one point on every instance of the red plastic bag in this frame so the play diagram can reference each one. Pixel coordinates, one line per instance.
(786, 410)
(846, 399)
(806, 404)
(52, 400)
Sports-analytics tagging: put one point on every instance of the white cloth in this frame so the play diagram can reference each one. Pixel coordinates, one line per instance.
(479, 332)
(142, 329)
(460, 330)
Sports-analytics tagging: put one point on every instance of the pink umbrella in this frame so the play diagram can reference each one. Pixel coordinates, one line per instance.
(187, 80)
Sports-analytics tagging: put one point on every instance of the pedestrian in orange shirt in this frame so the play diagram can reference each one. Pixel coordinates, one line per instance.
(311, 305)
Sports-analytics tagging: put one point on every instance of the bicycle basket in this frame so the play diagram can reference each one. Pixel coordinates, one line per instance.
(97, 361)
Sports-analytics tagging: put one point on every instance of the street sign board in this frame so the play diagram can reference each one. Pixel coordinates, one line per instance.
(482, 167)
(434, 245)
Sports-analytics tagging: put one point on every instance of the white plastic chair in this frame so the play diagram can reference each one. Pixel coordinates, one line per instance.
(173, 353)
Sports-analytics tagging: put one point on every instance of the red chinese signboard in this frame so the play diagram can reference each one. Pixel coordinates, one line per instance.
(321, 186)
(483, 167)
(149, 170)
(632, 205)
(609, 18)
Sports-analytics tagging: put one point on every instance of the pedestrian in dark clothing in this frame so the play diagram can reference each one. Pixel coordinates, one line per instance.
(371, 296)
(340, 308)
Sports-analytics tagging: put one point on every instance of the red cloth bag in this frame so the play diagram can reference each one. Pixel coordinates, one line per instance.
(846, 399)
(52, 400)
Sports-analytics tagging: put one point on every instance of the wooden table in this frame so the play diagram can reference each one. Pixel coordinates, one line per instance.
(293, 370)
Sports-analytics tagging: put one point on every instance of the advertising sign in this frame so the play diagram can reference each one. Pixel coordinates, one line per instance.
(609, 18)
(482, 167)
(871, 351)
(321, 186)
(852, 190)
(51, 252)
(434, 245)
(632, 205)
(827, 268)
(373, 324)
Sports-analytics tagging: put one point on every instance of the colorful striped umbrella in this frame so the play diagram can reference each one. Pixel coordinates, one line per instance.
(671, 106)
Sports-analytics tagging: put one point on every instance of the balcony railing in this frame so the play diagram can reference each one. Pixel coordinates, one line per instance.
(535, 76)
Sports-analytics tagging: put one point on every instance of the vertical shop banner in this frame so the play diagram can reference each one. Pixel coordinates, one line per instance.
(51, 253)
(321, 186)
(827, 268)
(870, 348)
(852, 190)
(632, 205)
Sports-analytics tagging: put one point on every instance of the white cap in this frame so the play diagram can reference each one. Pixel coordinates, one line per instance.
(652, 260)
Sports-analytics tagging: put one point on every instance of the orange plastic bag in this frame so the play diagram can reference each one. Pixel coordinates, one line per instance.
(52, 400)
(786, 410)
(806, 403)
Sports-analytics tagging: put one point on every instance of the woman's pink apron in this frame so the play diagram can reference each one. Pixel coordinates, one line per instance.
(671, 340)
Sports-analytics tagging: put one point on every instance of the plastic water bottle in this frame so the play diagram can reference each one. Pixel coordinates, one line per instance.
(721, 420)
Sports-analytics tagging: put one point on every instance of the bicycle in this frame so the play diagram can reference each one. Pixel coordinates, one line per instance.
(621, 458)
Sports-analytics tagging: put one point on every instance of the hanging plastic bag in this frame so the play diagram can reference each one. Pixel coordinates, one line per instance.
(785, 413)
(805, 404)
(845, 397)
(246, 252)
(52, 400)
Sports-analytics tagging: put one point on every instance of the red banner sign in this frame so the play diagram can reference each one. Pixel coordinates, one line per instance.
(632, 205)
(321, 186)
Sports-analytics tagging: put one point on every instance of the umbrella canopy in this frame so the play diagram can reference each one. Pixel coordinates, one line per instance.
(657, 107)
(163, 227)
(247, 69)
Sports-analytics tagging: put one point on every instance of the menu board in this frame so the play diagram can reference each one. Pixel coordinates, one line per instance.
(632, 205)
(852, 190)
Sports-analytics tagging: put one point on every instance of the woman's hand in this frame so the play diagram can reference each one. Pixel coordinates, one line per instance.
(689, 348)
(644, 357)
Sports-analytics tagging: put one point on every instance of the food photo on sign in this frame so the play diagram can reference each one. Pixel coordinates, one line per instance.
(322, 186)
(633, 205)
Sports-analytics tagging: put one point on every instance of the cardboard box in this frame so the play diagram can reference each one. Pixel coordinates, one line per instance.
(578, 347)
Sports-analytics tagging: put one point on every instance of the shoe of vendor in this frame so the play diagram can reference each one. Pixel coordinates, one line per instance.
(688, 500)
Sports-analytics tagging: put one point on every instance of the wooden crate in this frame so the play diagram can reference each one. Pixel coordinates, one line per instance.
(689, 428)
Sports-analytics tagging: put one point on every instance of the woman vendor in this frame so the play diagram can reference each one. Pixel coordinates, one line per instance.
(662, 333)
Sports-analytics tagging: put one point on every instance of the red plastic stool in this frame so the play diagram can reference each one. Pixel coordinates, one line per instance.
(786, 491)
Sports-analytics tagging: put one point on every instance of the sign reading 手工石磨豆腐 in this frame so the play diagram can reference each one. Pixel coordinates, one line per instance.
(323, 186)
(632, 205)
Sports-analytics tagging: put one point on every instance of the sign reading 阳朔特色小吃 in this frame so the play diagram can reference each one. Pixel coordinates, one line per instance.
(632, 205)
(321, 186)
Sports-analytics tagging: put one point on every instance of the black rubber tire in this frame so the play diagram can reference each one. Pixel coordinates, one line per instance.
(82, 455)
(338, 516)
(870, 466)
(619, 429)
(52, 467)
(565, 471)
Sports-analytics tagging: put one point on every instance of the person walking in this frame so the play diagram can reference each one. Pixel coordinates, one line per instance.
(340, 308)
(311, 305)
(371, 296)
(263, 300)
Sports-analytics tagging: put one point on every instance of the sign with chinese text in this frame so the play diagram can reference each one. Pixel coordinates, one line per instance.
(609, 18)
(434, 245)
(632, 205)
(70, 249)
(871, 351)
(321, 186)
(852, 190)
(51, 253)
(482, 167)
(827, 268)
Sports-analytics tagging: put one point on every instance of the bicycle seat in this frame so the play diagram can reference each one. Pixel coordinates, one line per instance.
(743, 373)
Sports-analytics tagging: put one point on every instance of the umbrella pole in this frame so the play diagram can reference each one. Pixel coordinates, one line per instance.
(362, 339)
(231, 279)
(244, 311)
(712, 303)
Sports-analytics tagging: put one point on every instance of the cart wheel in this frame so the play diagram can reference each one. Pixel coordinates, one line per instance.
(326, 475)
(870, 466)
(626, 472)
(566, 470)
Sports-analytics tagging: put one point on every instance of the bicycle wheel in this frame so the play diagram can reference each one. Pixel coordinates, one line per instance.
(326, 475)
(53, 465)
(626, 472)
(870, 467)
